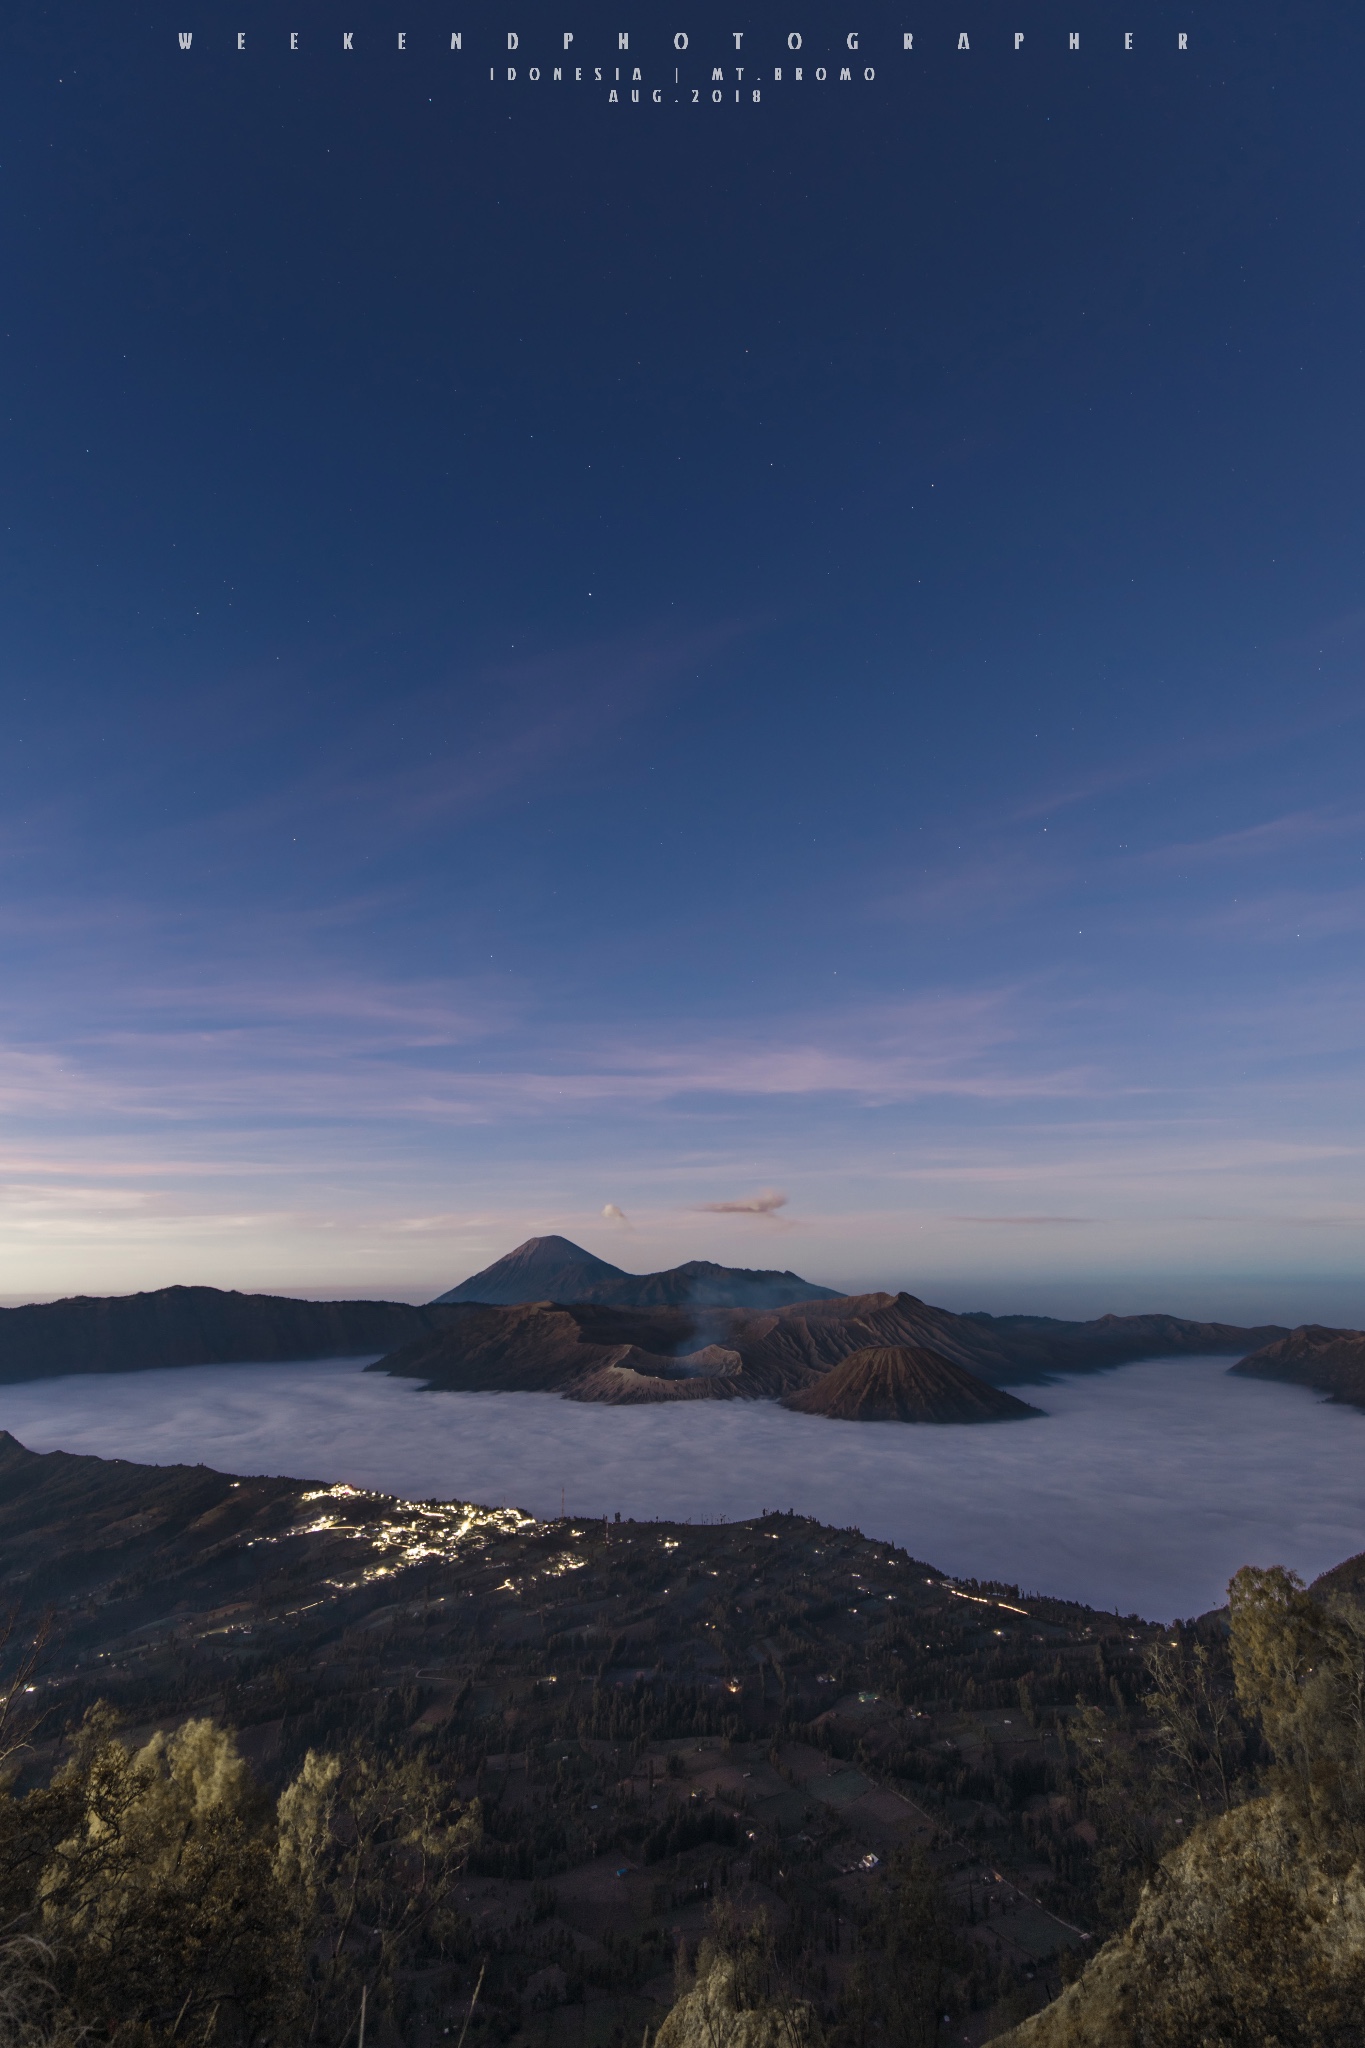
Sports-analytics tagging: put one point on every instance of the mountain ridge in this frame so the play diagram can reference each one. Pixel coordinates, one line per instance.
(599, 1352)
(1332, 1362)
(556, 1269)
(175, 1326)
(678, 1338)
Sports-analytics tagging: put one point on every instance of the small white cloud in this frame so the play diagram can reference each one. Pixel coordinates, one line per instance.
(613, 1214)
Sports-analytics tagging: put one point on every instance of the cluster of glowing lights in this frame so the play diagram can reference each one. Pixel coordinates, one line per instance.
(409, 1533)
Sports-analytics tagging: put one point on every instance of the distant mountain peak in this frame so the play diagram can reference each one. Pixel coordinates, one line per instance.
(536, 1249)
(556, 1269)
(540, 1253)
(542, 1269)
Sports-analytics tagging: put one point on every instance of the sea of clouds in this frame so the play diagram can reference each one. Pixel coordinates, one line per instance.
(1142, 1489)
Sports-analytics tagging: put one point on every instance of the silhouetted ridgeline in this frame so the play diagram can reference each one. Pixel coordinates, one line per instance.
(556, 1269)
(670, 1345)
(1030, 1344)
(1332, 1361)
(196, 1326)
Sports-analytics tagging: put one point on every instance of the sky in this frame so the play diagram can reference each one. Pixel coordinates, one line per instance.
(560, 658)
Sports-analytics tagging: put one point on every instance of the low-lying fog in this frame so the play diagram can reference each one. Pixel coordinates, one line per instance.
(1141, 1489)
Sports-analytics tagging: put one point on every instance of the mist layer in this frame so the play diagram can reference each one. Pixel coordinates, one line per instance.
(1141, 1489)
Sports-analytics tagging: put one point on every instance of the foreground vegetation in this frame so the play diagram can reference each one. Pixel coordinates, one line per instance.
(1252, 1931)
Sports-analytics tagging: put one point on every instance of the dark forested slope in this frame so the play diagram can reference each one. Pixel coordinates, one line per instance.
(529, 1764)
(281, 1747)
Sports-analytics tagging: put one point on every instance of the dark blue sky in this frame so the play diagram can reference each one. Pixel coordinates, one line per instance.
(559, 654)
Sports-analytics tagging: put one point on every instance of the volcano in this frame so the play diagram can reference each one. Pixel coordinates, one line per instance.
(556, 1269)
(905, 1383)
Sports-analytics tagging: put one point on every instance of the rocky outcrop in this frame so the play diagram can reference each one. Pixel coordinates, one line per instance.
(716, 2014)
(1244, 1935)
(905, 1383)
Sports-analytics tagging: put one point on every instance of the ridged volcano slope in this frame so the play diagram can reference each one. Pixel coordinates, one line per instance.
(905, 1383)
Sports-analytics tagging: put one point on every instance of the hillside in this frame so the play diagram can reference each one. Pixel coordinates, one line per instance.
(600, 1352)
(1035, 1344)
(653, 1718)
(555, 1269)
(905, 1383)
(686, 1743)
(195, 1326)
(1332, 1361)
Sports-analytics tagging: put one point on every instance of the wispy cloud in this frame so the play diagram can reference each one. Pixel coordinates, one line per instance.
(456, 746)
(351, 1051)
(1271, 839)
(766, 1204)
(1305, 705)
(995, 885)
(1279, 916)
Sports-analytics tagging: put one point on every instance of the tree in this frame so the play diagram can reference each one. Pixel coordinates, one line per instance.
(1194, 1706)
(909, 1954)
(370, 1851)
(21, 1659)
(1127, 1807)
(1300, 1669)
(161, 1906)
